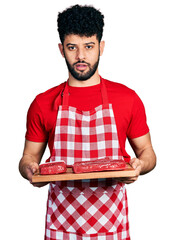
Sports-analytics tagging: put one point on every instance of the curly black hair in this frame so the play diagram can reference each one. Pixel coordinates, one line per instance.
(80, 20)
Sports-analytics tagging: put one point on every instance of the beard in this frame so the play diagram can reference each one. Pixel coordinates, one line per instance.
(82, 76)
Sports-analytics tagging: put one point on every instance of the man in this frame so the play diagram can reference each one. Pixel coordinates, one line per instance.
(82, 119)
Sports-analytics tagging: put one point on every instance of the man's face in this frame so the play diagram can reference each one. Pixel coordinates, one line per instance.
(82, 55)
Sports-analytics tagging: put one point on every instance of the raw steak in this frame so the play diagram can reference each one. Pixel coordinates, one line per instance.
(99, 165)
(52, 168)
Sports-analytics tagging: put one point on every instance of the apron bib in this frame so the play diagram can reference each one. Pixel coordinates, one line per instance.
(86, 209)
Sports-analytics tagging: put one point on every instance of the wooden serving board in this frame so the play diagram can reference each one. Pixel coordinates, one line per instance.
(70, 175)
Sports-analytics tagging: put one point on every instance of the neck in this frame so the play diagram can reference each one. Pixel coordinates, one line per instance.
(94, 80)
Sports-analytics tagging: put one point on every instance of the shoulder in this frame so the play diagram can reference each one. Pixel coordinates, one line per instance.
(120, 91)
(123, 97)
(49, 96)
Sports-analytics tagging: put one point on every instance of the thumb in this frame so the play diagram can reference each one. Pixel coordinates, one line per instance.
(31, 169)
(34, 167)
(133, 162)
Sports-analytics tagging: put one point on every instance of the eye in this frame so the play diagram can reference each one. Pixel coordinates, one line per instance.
(71, 48)
(89, 47)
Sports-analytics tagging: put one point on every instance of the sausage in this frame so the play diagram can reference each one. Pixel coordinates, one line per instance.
(99, 165)
(52, 168)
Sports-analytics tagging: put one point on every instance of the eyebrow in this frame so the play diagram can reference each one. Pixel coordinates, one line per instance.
(73, 44)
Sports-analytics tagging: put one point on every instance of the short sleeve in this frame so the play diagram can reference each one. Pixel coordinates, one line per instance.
(138, 124)
(35, 124)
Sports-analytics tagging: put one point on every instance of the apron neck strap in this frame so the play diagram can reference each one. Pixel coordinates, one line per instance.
(104, 93)
(65, 93)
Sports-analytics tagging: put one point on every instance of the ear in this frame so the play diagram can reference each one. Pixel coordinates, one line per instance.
(61, 49)
(102, 46)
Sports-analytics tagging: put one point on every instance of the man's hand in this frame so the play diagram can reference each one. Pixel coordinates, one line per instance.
(137, 165)
(29, 164)
(30, 169)
(145, 159)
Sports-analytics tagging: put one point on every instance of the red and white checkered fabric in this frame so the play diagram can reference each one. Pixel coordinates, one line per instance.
(85, 135)
(87, 209)
(81, 212)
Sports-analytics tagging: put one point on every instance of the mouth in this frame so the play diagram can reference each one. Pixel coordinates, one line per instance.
(81, 66)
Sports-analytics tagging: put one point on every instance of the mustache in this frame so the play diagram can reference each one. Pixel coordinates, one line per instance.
(81, 62)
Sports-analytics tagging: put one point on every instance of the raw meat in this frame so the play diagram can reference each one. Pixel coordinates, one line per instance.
(99, 165)
(52, 168)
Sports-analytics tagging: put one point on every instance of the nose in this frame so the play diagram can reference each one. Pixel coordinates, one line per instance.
(80, 54)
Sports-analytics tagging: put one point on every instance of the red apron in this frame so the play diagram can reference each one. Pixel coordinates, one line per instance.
(86, 209)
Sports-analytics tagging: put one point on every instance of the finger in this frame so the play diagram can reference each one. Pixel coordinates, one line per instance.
(132, 161)
(127, 180)
(31, 169)
(135, 162)
(39, 184)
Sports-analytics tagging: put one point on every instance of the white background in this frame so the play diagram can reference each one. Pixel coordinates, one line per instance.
(139, 52)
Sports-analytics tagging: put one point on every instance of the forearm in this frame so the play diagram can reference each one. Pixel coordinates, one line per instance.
(147, 159)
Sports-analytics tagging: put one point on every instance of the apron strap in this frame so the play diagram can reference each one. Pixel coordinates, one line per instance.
(104, 91)
(65, 94)
(58, 99)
